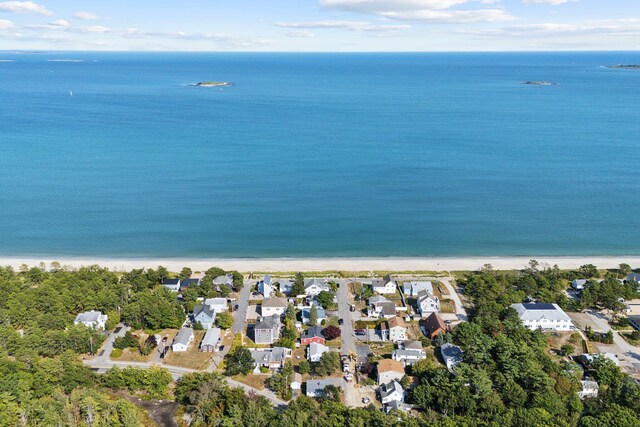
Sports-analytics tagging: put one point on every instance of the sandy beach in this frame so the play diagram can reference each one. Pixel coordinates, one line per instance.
(325, 264)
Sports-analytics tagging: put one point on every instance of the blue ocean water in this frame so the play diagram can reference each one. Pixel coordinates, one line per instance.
(319, 154)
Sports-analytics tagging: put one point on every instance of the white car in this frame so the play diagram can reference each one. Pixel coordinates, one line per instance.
(348, 377)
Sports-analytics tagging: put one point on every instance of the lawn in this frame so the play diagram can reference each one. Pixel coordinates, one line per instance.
(192, 358)
(133, 356)
(447, 306)
(255, 381)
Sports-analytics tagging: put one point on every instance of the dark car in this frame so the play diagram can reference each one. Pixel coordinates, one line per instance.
(340, 321)
(360, 332)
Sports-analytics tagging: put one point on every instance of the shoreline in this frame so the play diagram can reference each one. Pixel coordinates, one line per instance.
(328, 263)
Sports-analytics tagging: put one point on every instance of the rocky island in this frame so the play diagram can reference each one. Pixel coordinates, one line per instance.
(625, 67)
(540, 83)
(212, 84)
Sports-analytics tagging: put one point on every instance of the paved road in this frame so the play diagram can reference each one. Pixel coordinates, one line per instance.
(461, 313)
(240, 315)
(344, 313)
(177, 372)
(107, 347)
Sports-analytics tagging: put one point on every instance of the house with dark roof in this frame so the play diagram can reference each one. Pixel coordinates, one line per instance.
(379, 306)
(434, 326)
(204, 314)
(391, 391)
(313, 334)
(267, 330)
(451, 354)
(186, 283)
(172, 284)
(386, 285)
(316, 388)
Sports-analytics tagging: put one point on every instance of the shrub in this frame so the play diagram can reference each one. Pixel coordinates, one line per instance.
(116, 353)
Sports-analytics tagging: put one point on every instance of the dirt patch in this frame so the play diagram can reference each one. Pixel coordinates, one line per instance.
(161, 412)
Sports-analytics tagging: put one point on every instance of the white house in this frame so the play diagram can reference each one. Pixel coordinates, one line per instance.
(172, 284)
(391, 391)
(412, 288)
(427, 303)
(315, 351)
(285, 286)
(588, 389)
(578, 284)
(92, 319)
(315, 388)
(543, 316)
(409, 352)
(313, 287)
(204, 314)
(272, 358)
(389, 370)
(218, 305)
(386, 285)
(264, 286)
(225, 280)
(271, 306)
(396, 329)
(379, 306)
(451, 354)
(211, 340)
(182, 340)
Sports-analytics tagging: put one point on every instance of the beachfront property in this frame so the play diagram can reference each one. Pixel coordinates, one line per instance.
(633, 277)
(412, 288)
(267, 330)
(187, 283)
(543, 316)
(273, 306)
(396, 330)
(271, 358)
(427, 303)
(313, 287)
(313, 334)
(386, 285)
(578, 284)
(172, 284)
(211, 340)
(182, 340)
(225, 280)
(409, 352)
(389, 370)
(204, 314)
(264, 286)
(285, 286)
(379, 306)
(451, 354)
(306, 314)
(391, 391)
(315, 351)
(217, 304)
(434, 326)
(315, 388)
(92, 319)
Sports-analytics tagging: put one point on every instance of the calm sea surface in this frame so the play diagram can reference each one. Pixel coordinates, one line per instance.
(319, 155)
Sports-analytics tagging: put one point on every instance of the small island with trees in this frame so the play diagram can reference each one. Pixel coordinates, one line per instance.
(211, 84)
(625, 67)
(540, 83)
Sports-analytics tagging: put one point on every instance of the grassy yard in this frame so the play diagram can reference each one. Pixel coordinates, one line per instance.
(255, 381)
(447, 306)
(334, 343)
(556, 340)
(133, 356)
(192, 358)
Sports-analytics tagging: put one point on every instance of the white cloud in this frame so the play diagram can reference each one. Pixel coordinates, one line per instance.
(551, 2)
(429, 11)
(86, 16)
(299, 34)
(94, 29)
(613, 27)
(6, 25)
(59, 23)
(24, 7)
(346, 25)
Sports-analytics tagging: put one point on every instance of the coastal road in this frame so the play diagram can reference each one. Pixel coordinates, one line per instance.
(240, 315)
(347, 336)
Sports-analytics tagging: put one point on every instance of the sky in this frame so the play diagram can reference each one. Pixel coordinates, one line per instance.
(321, 25)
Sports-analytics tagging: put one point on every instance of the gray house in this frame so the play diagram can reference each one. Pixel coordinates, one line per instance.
(267, 330)
(204, 314)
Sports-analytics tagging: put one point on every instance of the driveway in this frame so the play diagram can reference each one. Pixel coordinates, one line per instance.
(107, 347)
(240, 315)
(461, 313)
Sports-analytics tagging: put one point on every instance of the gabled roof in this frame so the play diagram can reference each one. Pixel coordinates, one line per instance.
(184, 336)
(170, 282)
(267, 279)
(269, 322)
(528, 312)
(377, 300)
(211, 337)
(317, 282)
(388, 308)
(225, 279)
(274, 302)
(203, 309)
(396, 322)
(434, 322)
(317, 348)
(89, 316)
(390, 365)
(189, 282)
(312, 332)
(451, 353)
(412, 345)
(390, 388)
(424, 295)
(316, 386)
(377, 283)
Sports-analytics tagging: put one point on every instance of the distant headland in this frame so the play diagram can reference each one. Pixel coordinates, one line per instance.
(211, 84)
(540, 83)
(625, 67)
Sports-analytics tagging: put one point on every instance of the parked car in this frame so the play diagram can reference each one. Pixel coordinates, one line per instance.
(340, 321)
(348, 377)
(448, 321)
(366, 400)
(360, 332)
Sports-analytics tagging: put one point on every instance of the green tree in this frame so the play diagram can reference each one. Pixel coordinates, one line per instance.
(313, 315)
(325, 298)
(304, 366)
(328, 364)
(224, 320)
(185, 273)
(239, 362)
(298, 285)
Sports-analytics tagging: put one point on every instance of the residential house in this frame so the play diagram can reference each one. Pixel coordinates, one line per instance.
(218, 305)
(313, 287)
(386, 285)
(267, 330)
(285, 286)
(272, 358)
(313, 334)
(451, 354)
(186, 283)
(633, 277)
(391, 391)
(315, 388)
(172, 284)
(588, 389)
(379, 306)
(434, 326)
(578, 284)
(306, 314)
(634, 321)
(543, 316)
(389, 370)
(587, 358)
(182, 340)
(204, 314)
(264, 286)
(396, 405)
(315, 351)
(92, 319)
(412, 288)
(427, 303)
(396, 330)
(211, 340)
(296, 384)
(273, 306)
(225, 280)
(409, 352)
